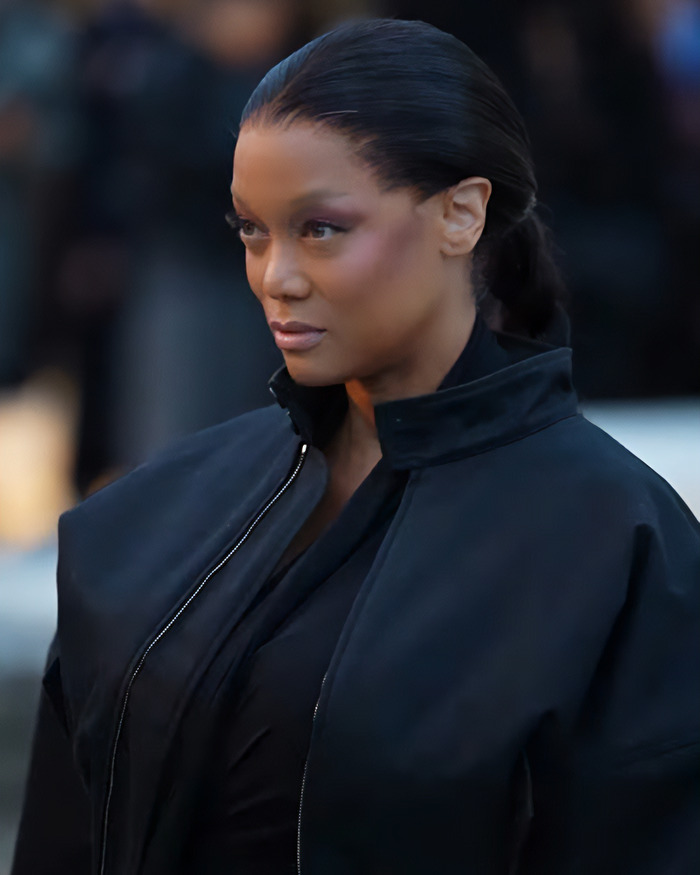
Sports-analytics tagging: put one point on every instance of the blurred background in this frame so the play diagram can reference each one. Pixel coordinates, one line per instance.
(125, 318)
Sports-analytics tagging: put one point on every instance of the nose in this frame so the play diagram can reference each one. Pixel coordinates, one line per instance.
(282, 276)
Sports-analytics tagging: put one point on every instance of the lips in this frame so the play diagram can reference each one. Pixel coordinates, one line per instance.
(296, 335)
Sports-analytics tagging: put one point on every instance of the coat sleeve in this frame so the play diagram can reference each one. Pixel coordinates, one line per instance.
(621, 794)
(54, 830)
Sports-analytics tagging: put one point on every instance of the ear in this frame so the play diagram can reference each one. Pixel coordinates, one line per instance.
(464, 215)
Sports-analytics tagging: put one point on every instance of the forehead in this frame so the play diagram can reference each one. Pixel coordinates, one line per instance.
(289, 163)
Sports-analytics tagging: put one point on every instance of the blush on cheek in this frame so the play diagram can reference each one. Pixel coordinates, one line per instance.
(402, 249)
(380, 258)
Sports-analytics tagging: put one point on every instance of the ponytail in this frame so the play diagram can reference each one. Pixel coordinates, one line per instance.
(525, 292)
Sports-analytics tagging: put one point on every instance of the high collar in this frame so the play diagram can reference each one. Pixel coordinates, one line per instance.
(533, 391)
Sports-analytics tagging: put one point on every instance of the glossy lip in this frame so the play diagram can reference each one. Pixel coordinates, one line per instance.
(296, 335)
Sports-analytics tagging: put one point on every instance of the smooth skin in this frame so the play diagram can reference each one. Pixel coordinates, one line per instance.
(384, 275)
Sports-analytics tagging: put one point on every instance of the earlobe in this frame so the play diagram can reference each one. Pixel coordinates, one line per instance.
(464, 215)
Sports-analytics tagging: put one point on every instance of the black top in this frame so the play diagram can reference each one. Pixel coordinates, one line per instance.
(249, 822)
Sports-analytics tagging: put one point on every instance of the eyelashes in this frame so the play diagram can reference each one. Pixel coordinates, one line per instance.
(315, 229)
(238, 223)
(321, 230)
(233, 220)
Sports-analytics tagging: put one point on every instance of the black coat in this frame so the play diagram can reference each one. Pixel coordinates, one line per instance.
(515, 689)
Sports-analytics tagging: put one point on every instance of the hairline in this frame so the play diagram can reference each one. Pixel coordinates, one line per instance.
(268, 116)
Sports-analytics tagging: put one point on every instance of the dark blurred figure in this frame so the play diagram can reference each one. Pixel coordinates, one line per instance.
(596, 115)
(673, 36)
(176, 341)
(609, 92)
(40, 146)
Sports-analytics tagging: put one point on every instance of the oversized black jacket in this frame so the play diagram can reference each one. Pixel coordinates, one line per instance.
(515, 690)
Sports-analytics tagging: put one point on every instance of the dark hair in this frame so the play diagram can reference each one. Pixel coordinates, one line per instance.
(425, 112)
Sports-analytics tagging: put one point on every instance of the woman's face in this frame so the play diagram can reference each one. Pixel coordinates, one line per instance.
(352, 278)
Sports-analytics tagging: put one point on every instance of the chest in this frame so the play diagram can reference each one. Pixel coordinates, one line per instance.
(345, 475)
(457, 647)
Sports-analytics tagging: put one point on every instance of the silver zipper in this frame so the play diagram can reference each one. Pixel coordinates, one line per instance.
(303, 777)
(122, 714)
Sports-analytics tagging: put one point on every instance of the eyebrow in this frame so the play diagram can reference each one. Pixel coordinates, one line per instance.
(304, 199)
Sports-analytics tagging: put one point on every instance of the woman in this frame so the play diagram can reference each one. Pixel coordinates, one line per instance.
(432, 622)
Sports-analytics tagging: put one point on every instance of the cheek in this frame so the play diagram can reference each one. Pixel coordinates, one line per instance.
(381, 265)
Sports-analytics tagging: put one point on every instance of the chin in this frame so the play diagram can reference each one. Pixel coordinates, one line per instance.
(306, 375)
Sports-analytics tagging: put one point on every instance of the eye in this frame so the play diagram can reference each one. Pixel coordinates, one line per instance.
(242, 226)
(319, 230)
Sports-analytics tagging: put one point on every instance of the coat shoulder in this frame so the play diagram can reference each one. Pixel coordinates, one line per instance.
(193, 464)
(585, 460)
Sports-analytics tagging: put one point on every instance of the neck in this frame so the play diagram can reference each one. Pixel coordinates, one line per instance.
(418, 374)
(355, 449)
(359, 427)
